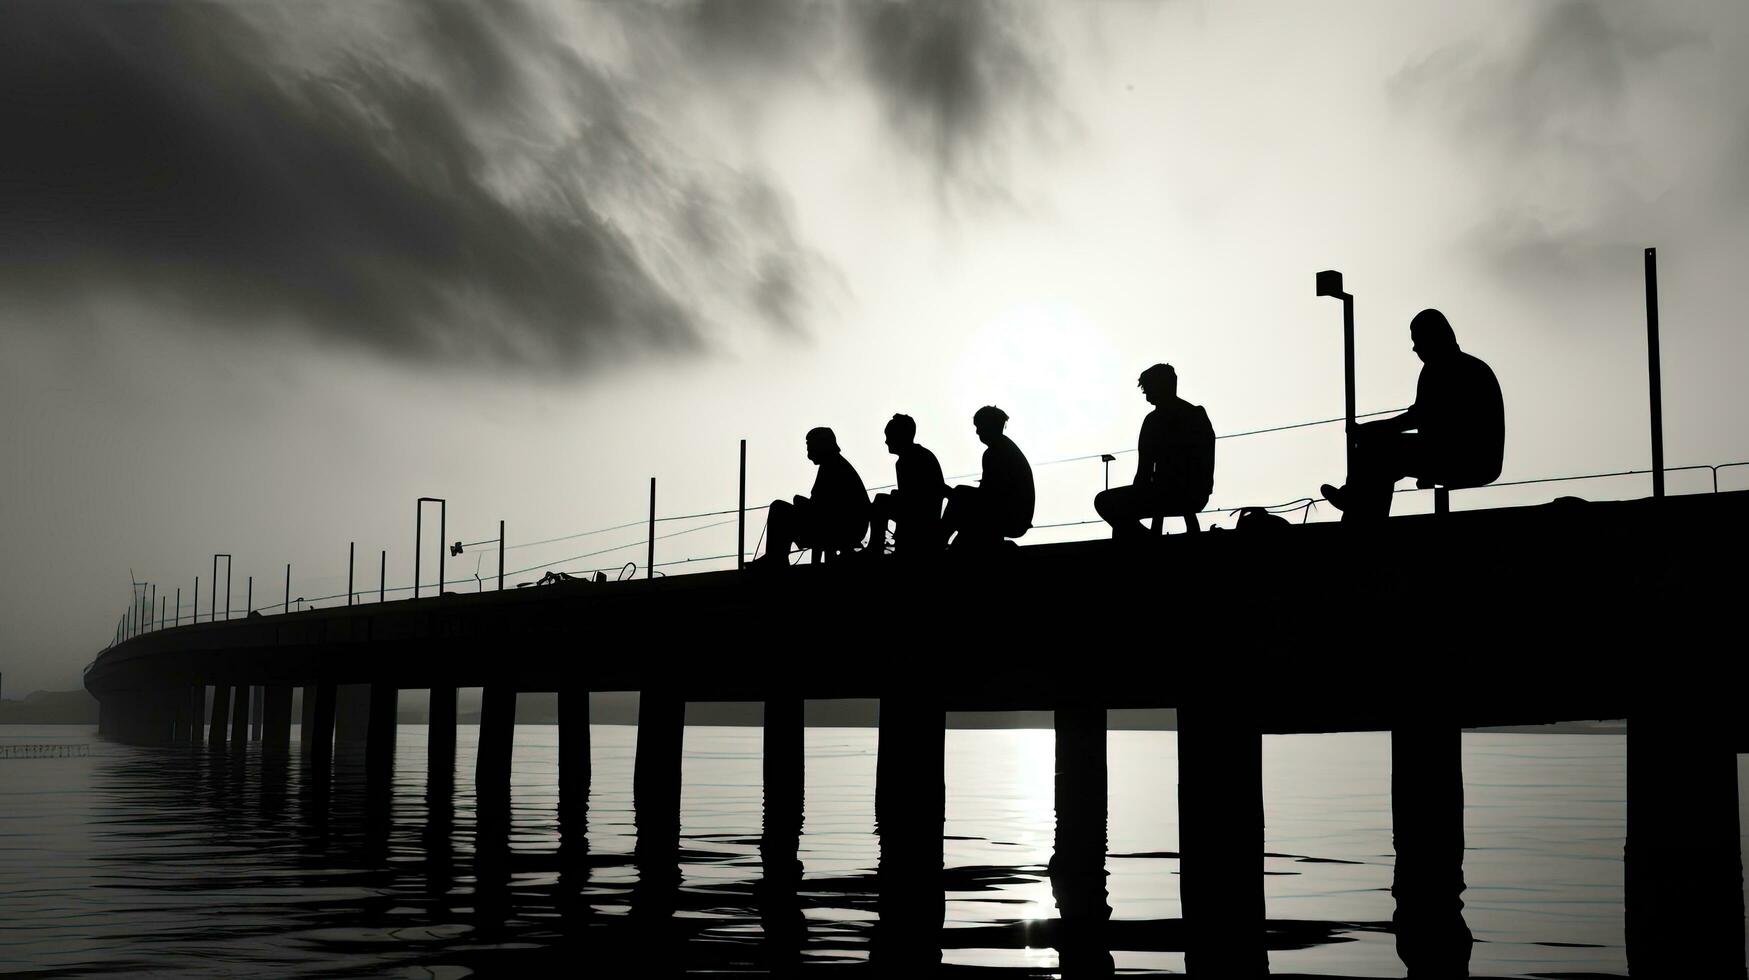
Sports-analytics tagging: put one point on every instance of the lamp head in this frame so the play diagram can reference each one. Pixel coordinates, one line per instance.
(1330, 283)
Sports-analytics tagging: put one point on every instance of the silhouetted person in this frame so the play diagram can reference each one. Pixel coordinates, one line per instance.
(914, 506)
(833, 517)
(1454, 435)
(1000, 506)
(1175, 461)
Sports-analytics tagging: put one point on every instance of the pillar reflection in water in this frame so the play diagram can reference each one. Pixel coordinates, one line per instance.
(1078, 860)
(780, 912)
(1427, 816)
(910, 809)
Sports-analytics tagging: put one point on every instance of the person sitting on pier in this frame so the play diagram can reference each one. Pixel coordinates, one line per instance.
(1000, 506)
(1453, 436)
(833, 517)
(1175, 461)
(914, 506)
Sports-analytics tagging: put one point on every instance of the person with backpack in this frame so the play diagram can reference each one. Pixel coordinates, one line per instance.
(1175, 461)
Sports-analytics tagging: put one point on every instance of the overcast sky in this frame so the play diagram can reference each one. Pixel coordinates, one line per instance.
(271, 272)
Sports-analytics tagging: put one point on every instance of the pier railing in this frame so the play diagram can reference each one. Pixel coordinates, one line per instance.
(152, 608)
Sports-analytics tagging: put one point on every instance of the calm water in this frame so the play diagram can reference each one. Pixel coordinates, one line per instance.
(134, 860)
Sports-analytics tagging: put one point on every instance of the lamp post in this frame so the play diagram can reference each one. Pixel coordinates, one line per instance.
(1330, 284)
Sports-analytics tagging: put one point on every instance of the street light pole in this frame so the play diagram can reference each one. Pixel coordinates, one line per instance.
(1330, 284)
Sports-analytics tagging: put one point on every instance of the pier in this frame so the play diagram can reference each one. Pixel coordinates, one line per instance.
(1421, 626)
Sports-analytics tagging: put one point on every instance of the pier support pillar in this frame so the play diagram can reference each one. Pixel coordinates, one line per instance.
(656, 770)
(1684, 859)
(257, 712)
(196, 699)
(497, 736)
(182, 732)
(440, 749)
(307, 720)
(379, 751)
(352, 714)
(1220, 820)
(574, 763)
(910, 784)
(1077, 866)
(784, 768)
(240, 717)
(276, 710)
(1427, 832)
(221, 715)
(320, 733)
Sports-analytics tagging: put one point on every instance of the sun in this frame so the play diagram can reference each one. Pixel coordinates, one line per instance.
(1049, 367)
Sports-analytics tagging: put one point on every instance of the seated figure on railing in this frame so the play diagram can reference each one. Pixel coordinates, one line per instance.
(1000, 506)
(833, 518)
(1175, 461)
(914, 506)
(1453, 436)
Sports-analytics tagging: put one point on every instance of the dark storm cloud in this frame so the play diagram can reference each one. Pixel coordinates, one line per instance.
(953, 75)
(453, 185)
(955, 81)
(1560, 125)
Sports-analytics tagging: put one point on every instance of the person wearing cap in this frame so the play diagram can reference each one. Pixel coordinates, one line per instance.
(833, 517)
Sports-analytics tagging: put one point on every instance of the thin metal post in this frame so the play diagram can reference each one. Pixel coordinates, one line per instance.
(249, 598)
(196, 617)
(161, 604)
(650, 553)
(177, 619)
(287, 607)
(1348, 372)
(351, 548)
(1330, 284)
(1654, 372)
(149, 605)
(741, 514)
(383, 576)
(442, 531)
(213, 604)
(500, 556)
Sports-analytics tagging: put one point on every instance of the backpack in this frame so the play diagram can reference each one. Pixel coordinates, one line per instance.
(1256, 518)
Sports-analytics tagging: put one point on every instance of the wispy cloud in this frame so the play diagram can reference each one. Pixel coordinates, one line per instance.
(1585, 128)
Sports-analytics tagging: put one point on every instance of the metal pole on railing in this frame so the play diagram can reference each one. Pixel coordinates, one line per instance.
(383, 576)
(1654, 372)
(195, 618)
(741, 514)
(1330, 284)
(287, 607)
(249, 598)
(351, 547)
(161, 604)
(149, 605)
(177, 619)
(500, 556)
(418, 535)
(650, 553)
